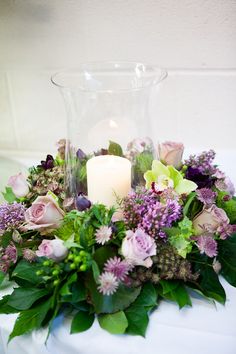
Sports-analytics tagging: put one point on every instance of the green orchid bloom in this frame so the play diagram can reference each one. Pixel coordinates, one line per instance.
(168, 176)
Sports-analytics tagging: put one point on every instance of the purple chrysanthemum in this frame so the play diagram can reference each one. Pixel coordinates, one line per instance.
(144, 210)
(206, 196)
(108, 283)
(103, 234)
(207, 245)
(11, 216)
(118, 267)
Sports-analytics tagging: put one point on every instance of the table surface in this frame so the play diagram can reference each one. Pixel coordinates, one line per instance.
(203, 329)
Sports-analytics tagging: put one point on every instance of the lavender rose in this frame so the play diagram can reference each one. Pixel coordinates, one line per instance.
(53, 249)
(137, 247)
(210, 219)
(171, 153)
(19, 185)
(44, 213)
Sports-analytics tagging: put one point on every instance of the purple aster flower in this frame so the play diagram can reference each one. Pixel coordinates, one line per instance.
(202, 180)
(11, 216)
(206, 196)
(108, 283)
(103, 234)
(207, 245)
(118, 267)
(48, 164)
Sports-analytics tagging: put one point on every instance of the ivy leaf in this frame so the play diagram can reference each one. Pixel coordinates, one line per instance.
(30, 319)
(24, 298)
(114, 323)
(115, 149)
(211, 285)
(168, 285)
(81, 322)
(227, 258)
(181, 296)
(27, 271)
(5, 308)
(8, 195)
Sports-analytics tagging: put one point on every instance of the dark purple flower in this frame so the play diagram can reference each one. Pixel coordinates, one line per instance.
(195, 175)
(80, 154)
(82, 203)
(48, 164)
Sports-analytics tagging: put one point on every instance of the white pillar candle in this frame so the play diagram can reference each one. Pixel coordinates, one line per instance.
(108, 177)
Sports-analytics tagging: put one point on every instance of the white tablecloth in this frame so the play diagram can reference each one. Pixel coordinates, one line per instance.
(202, 329)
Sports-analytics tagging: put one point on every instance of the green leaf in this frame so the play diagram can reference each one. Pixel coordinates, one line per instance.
(138, 320)
(211, 285)
(2, 277)
(137, 313)
(115, 323)
(65, 290)
(8, 195)
(115, 149)
(168, 285)
(181, 296)
(96, 271)
(102, 254)
(30, 319)
(5, 308)
(23, 298)
(227, 258)
(27, 271)
(81, 322)
(190, 199)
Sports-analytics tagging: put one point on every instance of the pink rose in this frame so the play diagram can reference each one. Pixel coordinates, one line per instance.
(137, 247)
(44, 213)
(19, 185)
(53, 249)
(171, 153)
(210, 219)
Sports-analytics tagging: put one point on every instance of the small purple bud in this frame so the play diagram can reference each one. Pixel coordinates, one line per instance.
(80, 154)
(226, 198)
(82, 203)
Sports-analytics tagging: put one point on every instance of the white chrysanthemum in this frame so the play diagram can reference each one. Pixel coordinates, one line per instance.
(108, 283)
(103, 234)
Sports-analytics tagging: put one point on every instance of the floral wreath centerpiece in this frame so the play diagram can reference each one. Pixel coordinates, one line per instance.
(174, 233)
(114, 224)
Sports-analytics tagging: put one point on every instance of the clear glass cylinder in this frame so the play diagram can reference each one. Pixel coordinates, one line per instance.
(109, 107)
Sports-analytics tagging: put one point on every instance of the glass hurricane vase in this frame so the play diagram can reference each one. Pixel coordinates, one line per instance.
(109, 127)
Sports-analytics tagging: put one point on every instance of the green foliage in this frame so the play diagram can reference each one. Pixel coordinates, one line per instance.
(188, 203)
(114, 323)
(180, 237)
(8, 195)
(115, 149)
(31, 319)
(27, 271)
(24, 298)
(5, 308)
(137, 313)
(175, 291)
(2, 277)
(81, 322)
(228, 206)
(227, 258)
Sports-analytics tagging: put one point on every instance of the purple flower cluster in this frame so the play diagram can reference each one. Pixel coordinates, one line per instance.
(11, 216)
(144, 210)
(206, 196)
(202, 162)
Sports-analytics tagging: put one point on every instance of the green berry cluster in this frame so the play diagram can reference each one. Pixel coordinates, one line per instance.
(79, 260)
(51, 271)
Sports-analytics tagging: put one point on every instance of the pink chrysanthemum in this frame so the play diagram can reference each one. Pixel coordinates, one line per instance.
(118, 267)
(103, 234)
(108, 283)
(207, 245)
